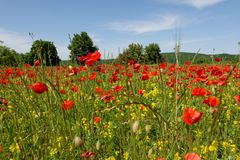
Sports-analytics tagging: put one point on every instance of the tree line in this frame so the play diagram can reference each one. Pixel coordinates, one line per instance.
(80, 45)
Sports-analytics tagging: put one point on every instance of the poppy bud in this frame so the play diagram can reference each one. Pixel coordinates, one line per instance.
(78, 141)
(135, 126)
(39, 87)
(98, 145)
(147, 128)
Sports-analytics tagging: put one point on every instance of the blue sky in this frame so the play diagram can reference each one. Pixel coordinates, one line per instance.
(113, 24)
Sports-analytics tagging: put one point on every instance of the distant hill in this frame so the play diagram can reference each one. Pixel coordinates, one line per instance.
(183, 56)
(199, 58)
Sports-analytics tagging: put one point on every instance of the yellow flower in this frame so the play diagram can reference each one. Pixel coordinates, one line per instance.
(14, 148)
(233, 148)
(110, 158)
(213, 146)
(125, 155)
(53, 151)
(204, 149)
(228, 114)
(177, 156)
(225, 144)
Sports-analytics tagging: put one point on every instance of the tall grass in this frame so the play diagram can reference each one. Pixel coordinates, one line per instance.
(132, 125)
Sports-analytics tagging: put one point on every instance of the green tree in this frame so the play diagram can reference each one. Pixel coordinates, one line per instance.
(8, 57)
(45, 51)
(80, 45)
(152, 54)
(133, 52)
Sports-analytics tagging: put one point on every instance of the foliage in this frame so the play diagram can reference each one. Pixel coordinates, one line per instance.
(8, 57)
(80, 45)
(133, 52)
(45, 51)
(152, 54)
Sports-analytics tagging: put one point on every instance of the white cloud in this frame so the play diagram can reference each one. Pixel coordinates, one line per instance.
(196, 40)
(160, 23)
(94, 37)
(201, 3)
(197, 3)
(19, 42)
(22, 43)
(63, 51)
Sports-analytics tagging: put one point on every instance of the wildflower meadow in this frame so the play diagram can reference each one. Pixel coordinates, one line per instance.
(120, 112)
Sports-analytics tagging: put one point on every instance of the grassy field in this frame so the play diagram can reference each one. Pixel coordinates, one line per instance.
(108, 112)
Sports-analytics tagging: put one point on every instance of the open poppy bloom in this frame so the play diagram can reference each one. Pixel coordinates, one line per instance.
(97, 119)
(3, 101)
(87, 154)
(200, 92)
(117, 88)
(237, 98)
(145, 76)
(192, 156)
(39, 87)
(66, 105)
(212, 101)
(37, 63)
(98, 90)
(107, 96)
(218, 59)
(91, 58)
(191, 116)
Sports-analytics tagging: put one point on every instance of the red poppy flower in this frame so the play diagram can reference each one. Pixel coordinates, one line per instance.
(3, 101)
(113, 79)
(191, 116)
(92, 58)
(81, 58)
(27, 65)
(87, 154)
(200, 92)
(75, 88)
(1, 148)
(141, 91)
(145, 76)
(39, 87)
(237, 98)
(117, 88)
(66, 105)
(129, 75)
(136, 66)
(73, 71)
(62, 91)
(108, 96)
(92, 76)
(37, 63)
(130, 62)
(163, 65)
(192, 156)
(187, 63)
(212, 101)
(98, 90)
(218, 59)
(97, 119)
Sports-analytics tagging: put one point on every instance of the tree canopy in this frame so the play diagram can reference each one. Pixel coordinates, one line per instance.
(45, 51)
(133, 52)
(80, 45)
(152, 54)
(8, 57)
